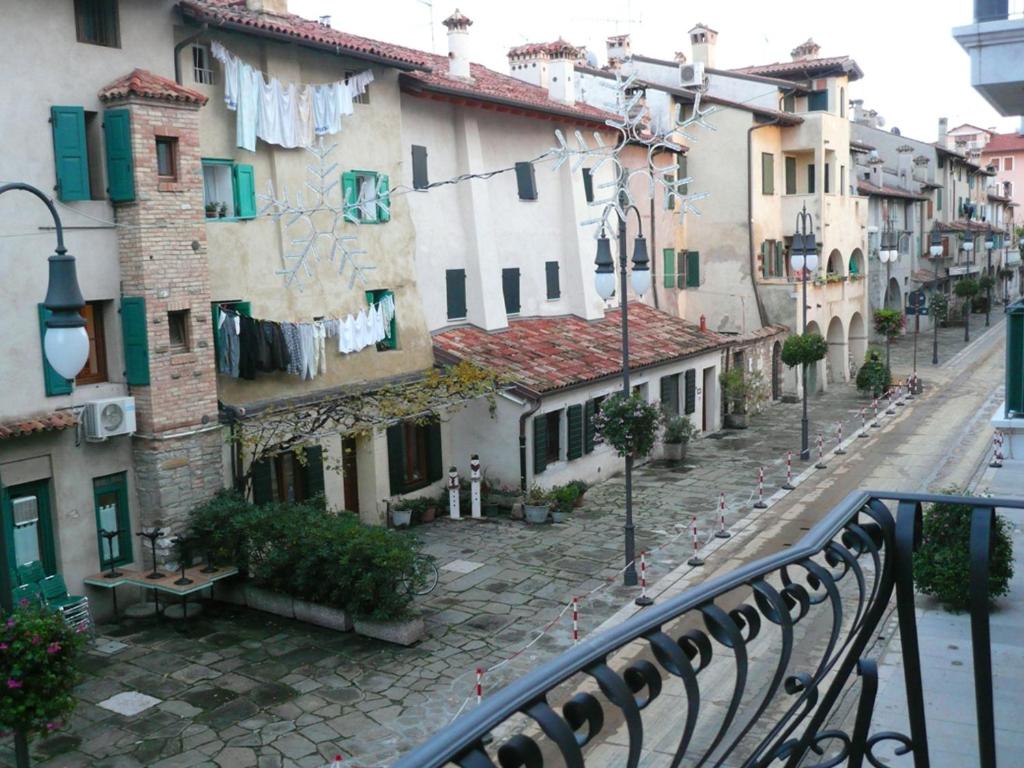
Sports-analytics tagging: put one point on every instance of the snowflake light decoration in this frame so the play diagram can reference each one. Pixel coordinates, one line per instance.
(635, 129)
(317, 224)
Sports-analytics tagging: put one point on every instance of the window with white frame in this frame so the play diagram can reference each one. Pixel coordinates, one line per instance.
(218, 190)
(202, 69)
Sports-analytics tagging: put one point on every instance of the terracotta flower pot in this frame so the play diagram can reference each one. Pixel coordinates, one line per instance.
(428, 514)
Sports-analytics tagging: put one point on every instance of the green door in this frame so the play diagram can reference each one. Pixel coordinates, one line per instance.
(28, 530)
(111, 498)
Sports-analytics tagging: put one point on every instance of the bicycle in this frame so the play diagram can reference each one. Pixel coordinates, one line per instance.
(422, 578)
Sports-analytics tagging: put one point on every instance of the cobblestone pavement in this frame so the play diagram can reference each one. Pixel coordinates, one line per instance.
(244, 689)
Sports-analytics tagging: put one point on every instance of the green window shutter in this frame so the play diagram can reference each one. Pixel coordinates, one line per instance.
(790, 175)
(810, 179)
(680, 269)
(789, 103)
(420, 179)
(669, 395)
(574, 421)
(817, 101)
(526, 181)
(540, 444)
(683, 173)
(350, 194)
(588, 185)
(670, 198)
(314, 469)
(70, 155)
(780, 259)
(765, 246)
(117, 136)
(668, 262)
(510, 289)
(554, 290)
(938, 199)
(588, 426)
(435, 463)
(245, 192)
(136, 343)
(262, 488)
(455, 285)
(55, 383)
(767, 173)
(692, 269)
(690, 390)
(396, 458)
(383, 198)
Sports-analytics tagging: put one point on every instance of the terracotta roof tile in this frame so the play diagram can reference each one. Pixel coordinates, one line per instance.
(44, 423)
(488, 85)
(806, 68)
(228, 13)
(142, 82)
(867, 188)
(551, 353)
(1004, 142)
(559, 46)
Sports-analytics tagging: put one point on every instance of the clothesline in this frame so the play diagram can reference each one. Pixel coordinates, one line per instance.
(287, 114)
(247, 345)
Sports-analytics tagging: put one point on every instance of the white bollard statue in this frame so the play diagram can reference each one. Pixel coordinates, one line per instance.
(476, 477)
(453, 493)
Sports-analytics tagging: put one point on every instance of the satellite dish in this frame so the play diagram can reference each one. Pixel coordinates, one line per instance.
(895, 131)
(592, 59)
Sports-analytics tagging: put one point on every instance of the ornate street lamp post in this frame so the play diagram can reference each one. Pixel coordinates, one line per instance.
(604, 282)
(804, 257)
(888, 253)
(990, 243)
(935, 249)
(968, 249)
(66, 346)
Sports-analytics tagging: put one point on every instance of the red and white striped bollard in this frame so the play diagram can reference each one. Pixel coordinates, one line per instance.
(863, 424)
(575, 621)
(721, 533)
(821, 453)
(839, 440)
(788, 485)
(479, 686)
(644, 598)
(759, 504)
(997, 452)
(874, 404)
(889, 409)
(696, 560)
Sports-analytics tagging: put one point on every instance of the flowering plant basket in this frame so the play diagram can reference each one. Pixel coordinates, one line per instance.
(629, 424)
(37, 669)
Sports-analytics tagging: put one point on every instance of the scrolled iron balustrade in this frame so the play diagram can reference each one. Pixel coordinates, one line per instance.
(848, 574)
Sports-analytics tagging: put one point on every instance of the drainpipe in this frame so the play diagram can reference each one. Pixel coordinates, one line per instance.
(762, 313)
(522, 438)
(654, 258)
(178, 48)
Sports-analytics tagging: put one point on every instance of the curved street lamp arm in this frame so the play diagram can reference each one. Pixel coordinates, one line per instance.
(639, 219)
(49, 204)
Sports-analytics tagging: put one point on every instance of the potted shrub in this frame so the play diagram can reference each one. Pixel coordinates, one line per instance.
(581, 488)
(804, 349)
(563, 499)
(628, 424)
(537, 505)
(401, 512)
(222, 210)
(37, 668)
(211, 210)
(942, 563)
(938, 306)
(873, 378)
(677, 434)
(736, 389)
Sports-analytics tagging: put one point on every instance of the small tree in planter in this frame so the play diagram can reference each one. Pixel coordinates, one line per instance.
(938, 306)
(745, 392)
(966, 289)
(804, 349)
(888, 324)
(37, 669)
(678, 432)
(628, 424)
(942, 563)
(873, 377)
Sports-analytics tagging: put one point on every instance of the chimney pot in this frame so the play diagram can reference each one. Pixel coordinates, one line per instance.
(458, 25)
(702, 43)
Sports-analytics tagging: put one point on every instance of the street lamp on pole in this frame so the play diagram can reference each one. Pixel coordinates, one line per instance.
(604, 282)
(888, 253)
(968, 249)
(804, 258)
(990, 243)
(66, 346)
(935, 249)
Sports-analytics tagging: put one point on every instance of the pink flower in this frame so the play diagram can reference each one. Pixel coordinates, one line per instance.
(4, 646)
(11, 622)
(53, 648)
(13, 684)
(36, 639)
(51, 727)
(23, 602)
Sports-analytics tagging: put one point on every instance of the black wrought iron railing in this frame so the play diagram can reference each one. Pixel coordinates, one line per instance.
(769, 665)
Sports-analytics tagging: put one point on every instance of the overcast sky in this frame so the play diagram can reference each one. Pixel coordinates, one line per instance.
(914, 72)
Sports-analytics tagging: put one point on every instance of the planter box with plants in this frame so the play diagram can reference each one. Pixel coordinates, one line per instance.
(307, 563)
(537, 505)
(745, 392)
(677, 434)
(564, 499)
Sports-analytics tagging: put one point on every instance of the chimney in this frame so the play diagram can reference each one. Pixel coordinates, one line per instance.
(618, 49)
(904, 165)
(806, 50)
(275, 7)
(458, 45)
(562, 58)
(702, 44)
(943, 128)
(857, 110)
(875, 165)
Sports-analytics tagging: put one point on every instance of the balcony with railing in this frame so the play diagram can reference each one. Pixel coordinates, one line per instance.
(994, 42)
(773, 664)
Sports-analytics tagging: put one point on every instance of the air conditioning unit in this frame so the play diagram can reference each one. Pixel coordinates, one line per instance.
(109, 417)
(691, 75)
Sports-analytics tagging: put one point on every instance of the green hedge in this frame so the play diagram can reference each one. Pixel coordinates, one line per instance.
(303, 550)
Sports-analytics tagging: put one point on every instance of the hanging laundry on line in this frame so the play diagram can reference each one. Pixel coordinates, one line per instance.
(246, 346)
(284, 114)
